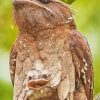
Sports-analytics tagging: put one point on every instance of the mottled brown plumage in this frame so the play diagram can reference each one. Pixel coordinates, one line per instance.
(50, 59)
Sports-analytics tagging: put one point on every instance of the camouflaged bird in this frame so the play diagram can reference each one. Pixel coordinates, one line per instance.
(50, 59)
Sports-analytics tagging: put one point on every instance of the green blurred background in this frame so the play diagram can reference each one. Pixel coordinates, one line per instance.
(87, 17)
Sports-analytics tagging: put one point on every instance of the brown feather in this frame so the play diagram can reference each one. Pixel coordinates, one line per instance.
(84, 73)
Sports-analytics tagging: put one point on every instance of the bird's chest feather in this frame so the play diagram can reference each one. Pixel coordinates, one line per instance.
(50, 55)
(51, 47)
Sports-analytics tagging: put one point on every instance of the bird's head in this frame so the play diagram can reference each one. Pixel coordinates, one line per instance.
(31, 15)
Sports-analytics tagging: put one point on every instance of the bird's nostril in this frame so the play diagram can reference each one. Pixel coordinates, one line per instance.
(45, 1)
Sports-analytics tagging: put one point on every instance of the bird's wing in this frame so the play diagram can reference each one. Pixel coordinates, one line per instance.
(82, 59)
(12, 62)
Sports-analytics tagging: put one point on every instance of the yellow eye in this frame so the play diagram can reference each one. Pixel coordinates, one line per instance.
(45, 1)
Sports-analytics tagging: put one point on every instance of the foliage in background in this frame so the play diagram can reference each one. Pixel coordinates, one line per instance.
(7, 33)
(5, 91)
(87, 18)
(68, 1)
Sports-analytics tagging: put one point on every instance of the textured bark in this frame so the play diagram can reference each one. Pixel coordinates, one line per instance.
(50, 59)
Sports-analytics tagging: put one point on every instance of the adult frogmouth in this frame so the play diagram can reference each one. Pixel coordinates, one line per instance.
(50, 59)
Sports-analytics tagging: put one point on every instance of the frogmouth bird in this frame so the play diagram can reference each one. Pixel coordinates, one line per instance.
(50, 59)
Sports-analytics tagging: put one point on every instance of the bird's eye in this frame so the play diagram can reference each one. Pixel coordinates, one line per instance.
(29, 77)
(45, 1)
(44, 76)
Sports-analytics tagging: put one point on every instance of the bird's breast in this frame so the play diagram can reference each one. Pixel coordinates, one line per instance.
(47, 55)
